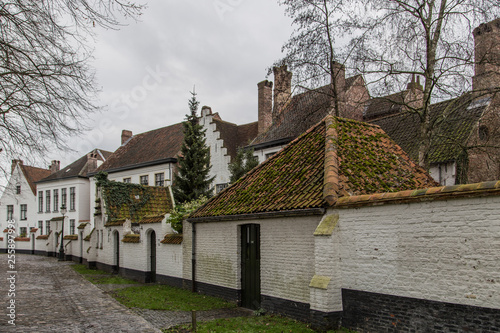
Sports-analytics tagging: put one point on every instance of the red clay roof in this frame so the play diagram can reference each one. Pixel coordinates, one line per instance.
(337, 157)
(158, 144)
(235, 136)
(33, 175)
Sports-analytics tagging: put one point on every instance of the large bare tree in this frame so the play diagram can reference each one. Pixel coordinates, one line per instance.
(431, 39)
(390, 41)
(46, 85)
(312, 52)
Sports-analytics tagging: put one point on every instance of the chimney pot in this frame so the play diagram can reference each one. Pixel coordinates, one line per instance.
(54, 166)
(126, 135)
(91, 162)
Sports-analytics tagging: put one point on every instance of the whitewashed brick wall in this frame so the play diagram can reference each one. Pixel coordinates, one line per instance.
(287, 248)
(446, 251)
(219, 158)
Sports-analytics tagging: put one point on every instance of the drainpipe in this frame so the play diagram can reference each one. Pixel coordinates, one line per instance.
(193, 257)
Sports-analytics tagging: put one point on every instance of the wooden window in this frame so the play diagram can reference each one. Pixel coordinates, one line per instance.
(144, 180)
(72, 198)
(56, 200)
(24, 212)
(10, 212)
(160, 179)
(47, 201)
(40, 201)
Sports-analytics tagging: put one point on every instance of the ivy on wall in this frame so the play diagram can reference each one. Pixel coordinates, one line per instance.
(117, 195)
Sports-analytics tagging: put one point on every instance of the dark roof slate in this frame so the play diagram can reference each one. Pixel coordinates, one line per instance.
(336, 157)
(457, 117)
(78, 168)
(155, 145)
(302, 111)
(235, 136)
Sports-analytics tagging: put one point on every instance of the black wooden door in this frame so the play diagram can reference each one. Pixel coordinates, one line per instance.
(117, 251)
(152, 256)
(250, 266)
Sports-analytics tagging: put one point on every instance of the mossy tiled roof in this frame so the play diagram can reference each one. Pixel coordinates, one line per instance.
(71, 237)
(131, 238)
(337, 157)
(172, 239)
(135, 202)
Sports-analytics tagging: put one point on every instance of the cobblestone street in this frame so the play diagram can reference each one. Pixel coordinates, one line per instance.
(51, 297)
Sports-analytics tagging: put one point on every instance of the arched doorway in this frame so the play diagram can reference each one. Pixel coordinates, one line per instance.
(116, 250)
(152, 256)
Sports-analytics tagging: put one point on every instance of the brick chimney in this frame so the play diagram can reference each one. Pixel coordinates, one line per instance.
(415, 96)
(487, 55)
(339, 76)
(126, 135)
(265, 105)
(14, 163)
(282, 88)
(91, 161)
(54, 166)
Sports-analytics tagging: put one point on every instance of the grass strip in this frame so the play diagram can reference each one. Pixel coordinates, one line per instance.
(162, 297)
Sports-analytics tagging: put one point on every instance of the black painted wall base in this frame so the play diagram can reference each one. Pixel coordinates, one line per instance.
(372, 312)
(22, 251)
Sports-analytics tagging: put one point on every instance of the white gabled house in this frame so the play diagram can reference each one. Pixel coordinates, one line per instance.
(18, 203)
(69, 187)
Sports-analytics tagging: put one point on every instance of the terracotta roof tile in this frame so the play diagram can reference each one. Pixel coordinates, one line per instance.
(33, 175)
(427, 194)
(152, 219)
(356, 158)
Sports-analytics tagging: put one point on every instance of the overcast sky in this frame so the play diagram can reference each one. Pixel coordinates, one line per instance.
(147, 69)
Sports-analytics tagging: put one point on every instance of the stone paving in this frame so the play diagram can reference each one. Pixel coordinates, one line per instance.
(51, 297)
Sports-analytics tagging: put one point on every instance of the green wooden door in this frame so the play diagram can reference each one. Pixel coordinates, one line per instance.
(250, 266)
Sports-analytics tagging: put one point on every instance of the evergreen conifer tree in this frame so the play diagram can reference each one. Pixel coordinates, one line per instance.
(244, 162)
(192, 178)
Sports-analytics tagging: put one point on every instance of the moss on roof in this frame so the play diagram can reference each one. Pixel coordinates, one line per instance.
(133, 201)
(359, 159)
